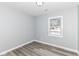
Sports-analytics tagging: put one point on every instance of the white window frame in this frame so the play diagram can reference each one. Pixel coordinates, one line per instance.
(59, 34)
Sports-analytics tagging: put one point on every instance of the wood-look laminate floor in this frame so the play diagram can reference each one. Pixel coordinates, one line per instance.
(39, 49)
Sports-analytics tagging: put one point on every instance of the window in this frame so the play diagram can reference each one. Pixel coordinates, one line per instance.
(55, 26)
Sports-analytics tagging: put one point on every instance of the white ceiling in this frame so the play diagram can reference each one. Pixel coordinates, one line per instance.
(32, 9)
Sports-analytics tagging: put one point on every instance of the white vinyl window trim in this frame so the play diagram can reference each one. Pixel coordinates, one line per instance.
(56, 33)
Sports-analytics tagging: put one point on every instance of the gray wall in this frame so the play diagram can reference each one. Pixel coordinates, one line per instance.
(78, 28)
(70, 28)
(16, 28)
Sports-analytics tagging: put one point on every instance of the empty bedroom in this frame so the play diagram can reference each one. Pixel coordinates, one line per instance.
(39, 29)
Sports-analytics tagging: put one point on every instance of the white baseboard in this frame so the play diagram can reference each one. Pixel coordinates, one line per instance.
(68, 49)
(65, 48)
(2, 53)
